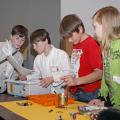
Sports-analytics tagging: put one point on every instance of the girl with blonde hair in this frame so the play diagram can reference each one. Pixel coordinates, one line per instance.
(106, 24)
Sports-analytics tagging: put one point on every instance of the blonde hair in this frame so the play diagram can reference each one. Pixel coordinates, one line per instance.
(109, 18)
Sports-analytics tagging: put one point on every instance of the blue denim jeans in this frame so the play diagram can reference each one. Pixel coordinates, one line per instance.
(86, 97)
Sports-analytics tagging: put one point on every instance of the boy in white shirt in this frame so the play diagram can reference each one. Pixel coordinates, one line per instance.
(52, 63)
(19, 36)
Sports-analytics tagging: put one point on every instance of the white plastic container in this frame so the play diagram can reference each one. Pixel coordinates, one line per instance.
(25, 88)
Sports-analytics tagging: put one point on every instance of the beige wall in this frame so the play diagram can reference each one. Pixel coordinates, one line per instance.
(85, 9)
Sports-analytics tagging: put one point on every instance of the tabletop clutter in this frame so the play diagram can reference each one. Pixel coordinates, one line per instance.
(60, 101)
(30, 90)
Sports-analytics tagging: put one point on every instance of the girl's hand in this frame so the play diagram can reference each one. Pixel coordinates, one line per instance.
(97, 102)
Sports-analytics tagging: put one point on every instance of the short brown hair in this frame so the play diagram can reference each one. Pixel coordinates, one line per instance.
(70, 24)
(39, 35)
(20, 30)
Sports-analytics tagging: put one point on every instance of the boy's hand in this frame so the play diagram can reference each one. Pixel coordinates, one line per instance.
(70, 80)
(22, 77)
(45, 82)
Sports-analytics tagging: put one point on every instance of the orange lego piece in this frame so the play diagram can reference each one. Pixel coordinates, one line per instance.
(47, 99)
